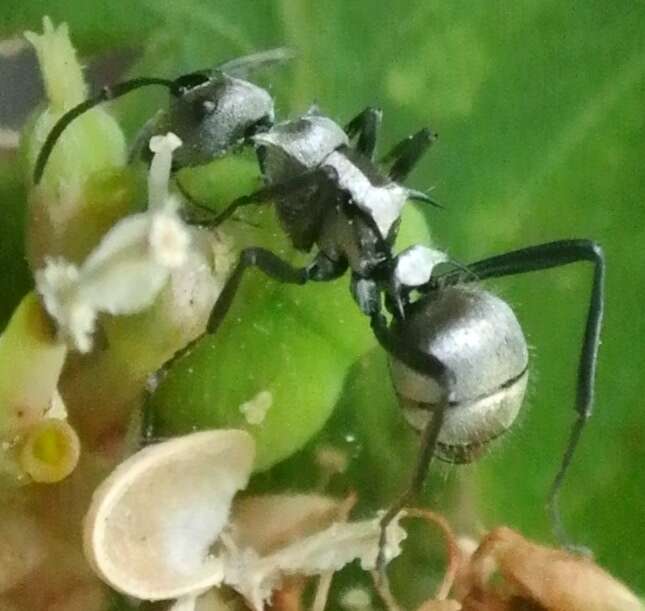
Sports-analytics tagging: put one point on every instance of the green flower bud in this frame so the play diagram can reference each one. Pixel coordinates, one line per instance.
(92, 143)
(31, 360)
(290, 347)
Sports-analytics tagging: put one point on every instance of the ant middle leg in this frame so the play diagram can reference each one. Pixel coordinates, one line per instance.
(321, 269)
(366, 125)
(317, 177)
(405, 155)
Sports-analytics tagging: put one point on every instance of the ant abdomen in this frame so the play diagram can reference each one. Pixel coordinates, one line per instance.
(478, 338)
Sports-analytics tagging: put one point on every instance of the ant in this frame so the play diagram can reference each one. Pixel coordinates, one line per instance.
(458, 356)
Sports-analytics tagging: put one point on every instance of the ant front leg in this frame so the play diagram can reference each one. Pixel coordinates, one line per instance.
(366, 125)
(546, 256)
(276, 191)
(322, 269)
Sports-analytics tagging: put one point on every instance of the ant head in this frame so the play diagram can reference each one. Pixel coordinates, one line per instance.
(213, 114)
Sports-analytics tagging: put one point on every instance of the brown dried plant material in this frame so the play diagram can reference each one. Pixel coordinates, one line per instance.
(269, 522)
(440, 605)
(23, 547)
(452, 550)
(537, 578)
(289, 596)
(439, 602)
(324, 581)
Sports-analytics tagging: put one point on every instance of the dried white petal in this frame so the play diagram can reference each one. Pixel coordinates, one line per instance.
(271, 521)
(256, 409)
(256, 577)
(414, 265)
(152, 522)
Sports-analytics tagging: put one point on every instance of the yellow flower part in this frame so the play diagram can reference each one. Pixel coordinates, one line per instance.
(51, 451)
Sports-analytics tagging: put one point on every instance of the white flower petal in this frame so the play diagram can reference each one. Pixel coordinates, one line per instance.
(169, 240)
(127, 238)
(80, 325)
(159, 174)
(125, 288)
(129, 267)
(59, 284)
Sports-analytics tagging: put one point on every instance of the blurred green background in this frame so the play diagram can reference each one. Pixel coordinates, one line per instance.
(540, 107)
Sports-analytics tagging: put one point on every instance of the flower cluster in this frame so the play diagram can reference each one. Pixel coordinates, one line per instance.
(126, 271)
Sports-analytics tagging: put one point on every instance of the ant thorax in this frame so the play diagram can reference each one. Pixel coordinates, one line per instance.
(298, 145)
(348, 234)
(383, 202)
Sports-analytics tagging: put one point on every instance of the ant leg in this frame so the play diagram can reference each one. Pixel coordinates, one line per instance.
(191, 218)
(432, 367)
(275, 191)
(427, 447)
(321, 269)
(546, 256)
(107, 93)
(420, 196)
(407, 153)
(366, 125)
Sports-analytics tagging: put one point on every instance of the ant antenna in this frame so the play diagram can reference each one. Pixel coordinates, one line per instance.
(107, 93)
